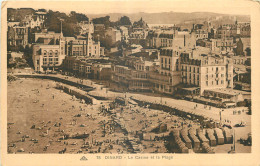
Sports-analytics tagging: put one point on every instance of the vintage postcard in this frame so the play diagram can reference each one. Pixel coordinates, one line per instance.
(130, 82)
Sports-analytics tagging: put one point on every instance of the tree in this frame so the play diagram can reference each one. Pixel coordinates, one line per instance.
(124, 21)
(77, 17)
(69, 25)
(106, 42)
(103, 20)
(28, 55)
(248, 51)
(140, 24)
(18, 14)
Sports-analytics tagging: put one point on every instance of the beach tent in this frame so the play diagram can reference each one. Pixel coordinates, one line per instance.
(186, 139)
(228, 136)
(210, 135)
(219, 135)
(202, 137)
(194, 138)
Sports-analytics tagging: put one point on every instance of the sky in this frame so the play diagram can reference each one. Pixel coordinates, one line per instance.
(149, 6)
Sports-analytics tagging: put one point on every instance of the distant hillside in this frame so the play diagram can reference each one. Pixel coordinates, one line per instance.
(167, 17)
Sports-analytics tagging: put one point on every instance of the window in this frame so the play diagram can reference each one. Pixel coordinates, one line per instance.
(217, 82)
(50, 60)
(207, 83)
(222, 82)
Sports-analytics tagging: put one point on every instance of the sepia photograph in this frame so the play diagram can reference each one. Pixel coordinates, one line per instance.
(124, 78)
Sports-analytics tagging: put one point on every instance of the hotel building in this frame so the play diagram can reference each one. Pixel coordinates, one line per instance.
(168, 75)
(206, 70)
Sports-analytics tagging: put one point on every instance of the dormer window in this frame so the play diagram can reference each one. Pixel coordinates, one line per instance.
(50, 53)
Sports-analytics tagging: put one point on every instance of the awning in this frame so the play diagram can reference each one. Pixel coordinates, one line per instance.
(191, 89)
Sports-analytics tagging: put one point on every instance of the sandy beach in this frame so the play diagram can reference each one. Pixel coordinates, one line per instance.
(41, 117)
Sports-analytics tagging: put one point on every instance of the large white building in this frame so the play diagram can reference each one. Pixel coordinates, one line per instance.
(50, 49)
(86, 47)
(206, 70)
(48, 55)
(168, 75)
(134, 77)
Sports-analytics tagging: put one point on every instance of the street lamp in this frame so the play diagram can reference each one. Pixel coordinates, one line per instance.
(220, 116)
